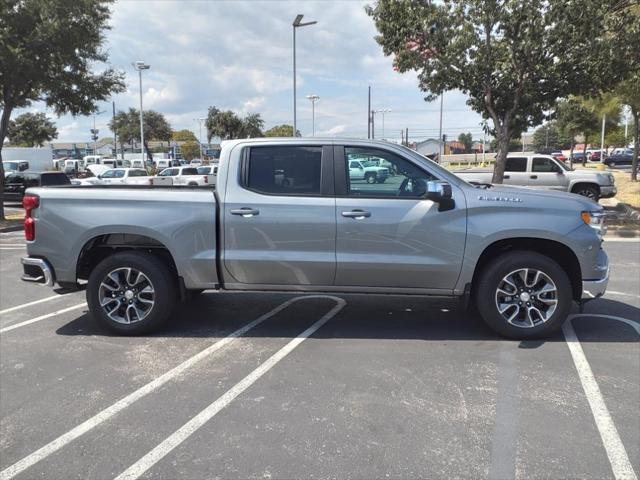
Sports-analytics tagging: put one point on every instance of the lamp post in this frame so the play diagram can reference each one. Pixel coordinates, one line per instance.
(382, 111)
(314, 99)
(200, 120)
(140, 66)
(297, 22)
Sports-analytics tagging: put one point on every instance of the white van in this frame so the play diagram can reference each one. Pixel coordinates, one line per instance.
(163, 163)
(92, 160)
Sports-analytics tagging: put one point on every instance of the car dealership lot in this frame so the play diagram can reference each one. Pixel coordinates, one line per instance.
(322, 386)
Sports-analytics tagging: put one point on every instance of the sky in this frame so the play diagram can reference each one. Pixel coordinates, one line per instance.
(237, 55)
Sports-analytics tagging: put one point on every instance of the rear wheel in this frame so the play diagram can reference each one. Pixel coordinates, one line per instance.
(370, 177)
(524, 295)
(131, 292)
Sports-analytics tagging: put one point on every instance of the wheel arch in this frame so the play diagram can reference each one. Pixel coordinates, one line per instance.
(582, 183)
(557, 251)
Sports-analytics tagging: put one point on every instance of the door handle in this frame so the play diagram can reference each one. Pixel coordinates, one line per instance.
(507, 176)
(533, 176)
(357, 214)
(246, 212)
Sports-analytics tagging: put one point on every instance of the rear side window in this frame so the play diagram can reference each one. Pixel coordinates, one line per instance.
(287, 170)
(516, 164)
(137, 173)
(49, 179)
(189, 171)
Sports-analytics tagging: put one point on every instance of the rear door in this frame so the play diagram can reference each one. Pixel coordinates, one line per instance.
(515, 172)
(279, 217)
(388, 234)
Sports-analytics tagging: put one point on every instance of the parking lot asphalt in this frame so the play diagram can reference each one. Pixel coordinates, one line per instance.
(289, 386)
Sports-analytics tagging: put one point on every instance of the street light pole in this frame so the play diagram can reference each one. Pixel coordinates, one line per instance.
(297, 22)
(200, 120)
(314, 99)
(139, 66)
(382, 111)
(94, 132)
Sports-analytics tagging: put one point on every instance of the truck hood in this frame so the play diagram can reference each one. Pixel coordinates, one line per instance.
(532, 196)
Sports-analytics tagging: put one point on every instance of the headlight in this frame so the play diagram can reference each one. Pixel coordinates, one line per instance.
(595, 220)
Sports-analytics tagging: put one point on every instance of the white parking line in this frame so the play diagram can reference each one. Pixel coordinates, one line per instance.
(184, 432)
(618, 458)
(622, 239)
(141, 392)
(42, 317)
(25, 305)
(613, 292)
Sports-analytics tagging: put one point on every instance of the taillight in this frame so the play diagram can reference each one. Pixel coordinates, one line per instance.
(206, 179)
(29, 202)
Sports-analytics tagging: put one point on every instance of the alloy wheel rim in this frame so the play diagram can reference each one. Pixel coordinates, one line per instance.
(126, 295)
(587, 193)
(526, 297)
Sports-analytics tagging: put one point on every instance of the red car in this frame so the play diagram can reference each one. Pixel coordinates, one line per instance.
(559, 156)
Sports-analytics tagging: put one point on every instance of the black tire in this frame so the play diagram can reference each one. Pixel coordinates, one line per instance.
(163, 281)
(382, 180)
(370, 178)
(193, 292)
(193, 184)
(612, 164)
(491, 278)
(587, 191)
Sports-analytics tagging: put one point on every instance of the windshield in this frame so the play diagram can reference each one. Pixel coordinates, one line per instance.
(13, 166)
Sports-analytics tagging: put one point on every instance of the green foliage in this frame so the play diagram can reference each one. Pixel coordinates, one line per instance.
(550, 136)
(31, 130)
(513, 58)
(50, 50)
(629, 93)
(515, 145)
(227, 125)
(126, 125)
(614, 137)
(183, 136)
(574, 118)
(283, 130)
(190, 150)
(467, 140)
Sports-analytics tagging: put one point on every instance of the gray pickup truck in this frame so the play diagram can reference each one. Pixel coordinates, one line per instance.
(287, 216)
(547, 173)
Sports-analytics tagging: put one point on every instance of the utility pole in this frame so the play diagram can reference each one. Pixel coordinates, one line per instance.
(440, 152)
(401, 137)
(369, 115)
(406, 136)
(484, 146)
(373, 125)
(115, 137)
(604, 117)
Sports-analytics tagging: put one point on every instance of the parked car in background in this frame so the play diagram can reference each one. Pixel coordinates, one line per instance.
(13, 166)
(545, 172)
(73, 167)
(16, 183)
(368, 171)
(625, 158)
(179, 176)
(90, 175)
(196, 162)
(210, 171)
(124, 176)
(559, 156)
(521, 256)
(92, 160)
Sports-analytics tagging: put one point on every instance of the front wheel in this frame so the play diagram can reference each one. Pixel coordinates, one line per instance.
(370, 178)
(524, 295)
(588, 191)
(131, 292)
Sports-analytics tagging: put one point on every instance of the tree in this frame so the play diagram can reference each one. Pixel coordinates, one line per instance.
(50, 51)
(227, 125)
(467, 140)
(574, 118)
(629, 93)
(550, 137)
(513, 58)
(31, 130)
(126, 125)
(183, 136)
(515, 145)
(281, 131)
(190, 149)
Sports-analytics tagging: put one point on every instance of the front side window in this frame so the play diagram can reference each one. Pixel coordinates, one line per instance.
(286, 170)
(189, 171)
(544, 165)
(516, 164)
(377, 173)
(118, 173)
(108, 174)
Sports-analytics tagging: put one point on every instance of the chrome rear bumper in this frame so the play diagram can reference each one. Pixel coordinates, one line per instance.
(37, 270)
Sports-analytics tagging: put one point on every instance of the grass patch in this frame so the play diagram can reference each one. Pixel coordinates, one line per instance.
(628, 191)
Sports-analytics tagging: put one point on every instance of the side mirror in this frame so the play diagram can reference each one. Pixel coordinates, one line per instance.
(438, 191)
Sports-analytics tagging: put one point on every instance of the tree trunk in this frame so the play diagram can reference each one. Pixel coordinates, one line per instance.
(149, 154)
(4, 128)
(503, 139)
(636, 145)
(584, 151)
(573, 144)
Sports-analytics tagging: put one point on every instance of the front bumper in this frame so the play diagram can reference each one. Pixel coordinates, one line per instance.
(37, 270)
(608, 191)
(594, 288)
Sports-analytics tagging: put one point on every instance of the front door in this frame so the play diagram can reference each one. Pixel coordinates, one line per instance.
(547, 174)
(388, 234)
(279, 217)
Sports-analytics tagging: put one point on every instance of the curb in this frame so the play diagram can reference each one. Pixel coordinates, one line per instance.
(629, 211)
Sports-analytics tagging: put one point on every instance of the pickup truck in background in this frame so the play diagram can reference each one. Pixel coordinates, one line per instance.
(176, 176)
(523, 257)
(545, 172)
(123, 176)
(368, 171)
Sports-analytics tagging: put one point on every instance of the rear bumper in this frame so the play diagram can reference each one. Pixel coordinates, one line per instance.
(37, 270)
